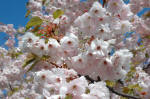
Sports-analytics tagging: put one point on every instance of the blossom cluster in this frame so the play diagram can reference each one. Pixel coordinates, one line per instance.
(67, 40)
(9, 29)
(142, 79)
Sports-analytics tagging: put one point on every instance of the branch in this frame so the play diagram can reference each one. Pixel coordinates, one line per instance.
(89, 79)
(10, 87)
(111, 89)
(54, 64)
(121, 94)
(146, 67)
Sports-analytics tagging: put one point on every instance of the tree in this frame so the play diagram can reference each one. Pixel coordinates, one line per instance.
(78, 49)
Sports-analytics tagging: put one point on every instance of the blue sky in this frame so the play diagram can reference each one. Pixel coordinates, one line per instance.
(13, 12)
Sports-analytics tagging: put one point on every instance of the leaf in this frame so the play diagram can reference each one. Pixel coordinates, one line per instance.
(18, 53)
(146, 55)
(68, 96)
(147, 15)
(87, 91)
(29, 80)
(28, 13)
(2, 55)
(56, 32)
(14, 90)
(43, 2)
(34, 21)
(36, 28)
(28, 61)
(148, 37)
(110, 83)
(135, 86)
(44, 57)
(123, 97)
(10, 93)
(126, 90)
(46, 41)
(32, 66)
(15, 54)
(58, 13)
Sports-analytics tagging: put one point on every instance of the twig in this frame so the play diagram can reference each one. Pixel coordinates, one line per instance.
(90, 79)
(54, 64)
(111, 89)
(146, 67)
(120, 82)
(10, 87)
(121, 94)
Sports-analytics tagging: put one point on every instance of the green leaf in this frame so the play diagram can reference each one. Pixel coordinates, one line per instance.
(34, 21)
(14, 90)
(147, 15)
(10, 93)
(58, 13)
(36, 28)
(110, 83)
(148, 37)
(27, 13)
(68, 96)
(43, 2)
(135, 86)
(126, 90)
(28, 61)
(32, 66)
(2, 55)
(123, 97)
(87, 91)
(44, 57)
(15, 54)
(146, 55)
(56, 32)
(46, 41)
(29, 80)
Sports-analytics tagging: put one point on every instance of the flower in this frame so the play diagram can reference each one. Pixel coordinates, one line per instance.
(69, 45)
(97, 10)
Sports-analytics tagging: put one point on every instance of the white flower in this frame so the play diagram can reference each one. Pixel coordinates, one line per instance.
(39, 48)
(63, 90)
(125, 26)
(88, 96)
(97, 10)
(77, 62)
(26, 41)
(53, 49)
(84, 20)
(124, 58)
(99, 89)
(77, 86)
(114, 6)
(42, 75)
(100, 45)
(69, 45)
(103, 31)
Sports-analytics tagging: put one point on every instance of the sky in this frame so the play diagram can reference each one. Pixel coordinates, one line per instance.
(13, 12)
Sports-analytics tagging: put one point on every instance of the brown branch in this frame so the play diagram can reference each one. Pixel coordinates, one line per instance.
(146, 67)
(111, 89)
(54, 64)
(121, 94)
